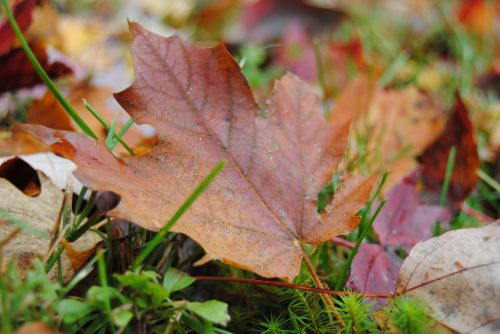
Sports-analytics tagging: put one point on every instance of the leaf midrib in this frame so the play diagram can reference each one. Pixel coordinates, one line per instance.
(211, 133)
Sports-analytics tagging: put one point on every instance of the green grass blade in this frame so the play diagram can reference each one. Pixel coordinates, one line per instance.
(178, 214)
(365, 228)
(488, 180)
(108, 127)
(110, 139)
(447, 176)
(43, 75)
(347, 266)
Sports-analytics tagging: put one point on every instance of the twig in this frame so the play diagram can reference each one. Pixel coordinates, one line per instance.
(342, 242)
(290, 286)
(316, 279)
(483, 218)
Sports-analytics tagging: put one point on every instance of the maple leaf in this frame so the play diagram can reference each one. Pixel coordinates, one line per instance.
(459, 133)
(456, 275)
(48, 112)
(403, 222)
(262, 207)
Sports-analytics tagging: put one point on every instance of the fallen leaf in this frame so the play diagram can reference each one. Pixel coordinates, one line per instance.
(458, 133)
(35, 327)
(374, 270)
(262, 206)
(456, 275)
(22, 12)
(17, 71)
(36, 217)
(139, 137)
(48, 111)
(477, 15)
(405, 220)
(57, 169)
(19, 143)
(265, 20)
(391, 127)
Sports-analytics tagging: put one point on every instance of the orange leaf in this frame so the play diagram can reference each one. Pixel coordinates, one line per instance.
(262, 207)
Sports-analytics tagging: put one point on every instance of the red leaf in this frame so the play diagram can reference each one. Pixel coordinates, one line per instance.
(405, 220)
(374, 270)
(460, 134)
(22, 12)
(17, 71)
(266, 20)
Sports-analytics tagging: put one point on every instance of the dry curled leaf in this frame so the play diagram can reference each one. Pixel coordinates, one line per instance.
(457, 274)
(37, 212)
(262, 207)
(57, 169)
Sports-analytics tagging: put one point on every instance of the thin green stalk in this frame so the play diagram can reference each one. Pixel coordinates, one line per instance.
(347, 266)
(108, 127)
(488, 180)
(393, 69)
(155, 242)
(364, 228)
(447, 176)
(103, 279)
(110, 139)
(43, 75)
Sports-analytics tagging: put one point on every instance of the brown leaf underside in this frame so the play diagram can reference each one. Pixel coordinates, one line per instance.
(262, 206)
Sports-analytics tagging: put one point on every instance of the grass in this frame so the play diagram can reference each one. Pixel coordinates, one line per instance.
(135, 283)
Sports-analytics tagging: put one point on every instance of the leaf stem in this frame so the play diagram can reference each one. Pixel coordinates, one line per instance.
(328, 300)
(43, 75)
(289, 286)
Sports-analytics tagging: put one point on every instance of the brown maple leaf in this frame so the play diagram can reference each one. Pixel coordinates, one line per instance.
(262, 207)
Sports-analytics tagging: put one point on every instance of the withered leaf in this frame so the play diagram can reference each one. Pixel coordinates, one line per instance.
(405, 219)
(393, 126)
(457, 274)
(374, 270)
(458, 133)
(262, 207)
(17, 71)
(39, 211)
(48, 112)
